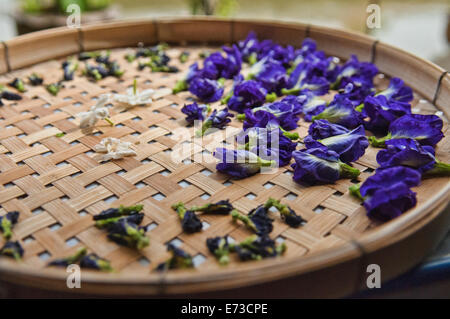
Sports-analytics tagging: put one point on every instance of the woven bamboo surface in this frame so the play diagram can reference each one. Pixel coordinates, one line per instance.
(57, 183)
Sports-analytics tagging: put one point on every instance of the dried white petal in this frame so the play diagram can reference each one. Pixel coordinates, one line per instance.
(97, 112)
(134, 97)
(114, 149)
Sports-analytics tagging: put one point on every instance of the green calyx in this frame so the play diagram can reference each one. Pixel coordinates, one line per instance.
(180, 209)
(6, 227)
(283, 209)
(360, 107)
(222, 253)
(439, 169)
(205, 126)
(253, 58)
(235, 215)
(54, 88)
(226, 98)
(79, 254)
(355, 191)
(240, 117)
(290, 135)
(346, 171)
(180, 86)
(379, 142)
(183, 57)
(271, 97)
(293, 91)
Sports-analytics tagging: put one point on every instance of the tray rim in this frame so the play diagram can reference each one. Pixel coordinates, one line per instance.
(373, 241)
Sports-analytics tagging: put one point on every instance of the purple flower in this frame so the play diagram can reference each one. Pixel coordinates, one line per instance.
(341, 111)
(217, 66)
(382, 112)
(12, 249)
(239, 163)
(312, 105)
(7, 222)
(350, 146)
(279, 53)
(397, 91)
(321, 129)
(195, 112)
(319, 165)
(387, 193)
(426, 129)
(270, 73)
(261, 118)
(206, 90)
(217, 119)
(406, 152)
(179, 260)
(183, 84)
(189, 221)
(249, 47)
(357, 92)
(304, 78)
(354, 71)
(247, 94)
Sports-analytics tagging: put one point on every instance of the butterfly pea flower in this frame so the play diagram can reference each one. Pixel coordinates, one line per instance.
(284, 55)
(217, 66)
(114, 149)
(303, 78)
(183, 84)
(341, 111)
(257, 247)
(425, 129)
(318, 165)
(54, 88)
(257, 220)
(69, 68)
(408, 152)
(349, 146)
(249, 48)
(387, 193)
(114, 69)
(240, 163)
(357, 92)
(179, 260)
(247, 94)
(93, 261)
(35, 79)
(134, 97)
(135, 218)
(8, 95)
(206, 90)
(127, 233)
(7, 222)
(195, 112)
(220, 247)
(398, 91)
(189, 221)
(321, 129)
(119, 212)
(289, 216)
(217, 119)
(289, 106)
(83, 56)
(381, 112)
(355, 71)
(66, 261)
(270, 73)
(18, 85)
(287, 121)
(97, 72)
(222, 207)
(12, 249)
(312, 105)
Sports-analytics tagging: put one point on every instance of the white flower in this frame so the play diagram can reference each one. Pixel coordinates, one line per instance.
(97, 112)
(114, 149)
(134, 97)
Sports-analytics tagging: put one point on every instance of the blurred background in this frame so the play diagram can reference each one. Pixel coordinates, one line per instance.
(419, 26)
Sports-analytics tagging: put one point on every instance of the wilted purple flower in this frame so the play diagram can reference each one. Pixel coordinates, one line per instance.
(239, 163)
(12, 249)
(7, 222)
(179, 260)
(183, 84)
(397, 91)
(341, 111)
(382, 112)
(270, 73)
(92, 261)
(222, 207)
(189, 221)
(195, 112)
(217, 119)
(66, 261)
(354, 71)
(356, 92)
(217, 66)
(247, 94)
(304, 78)
(289, 216)
(406, 152)
(206, 90)
(321, 129)
(426, 129)
(349, 146)
(387, 193)
(287, 121)
(290, 104)
(258, 247)
(319, 165)
(284, 55)
(249, 48)
(312, 105)
(257, 220)
(220, 247)
(125, 232)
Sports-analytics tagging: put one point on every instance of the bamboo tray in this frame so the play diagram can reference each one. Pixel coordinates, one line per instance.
(57, 185)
